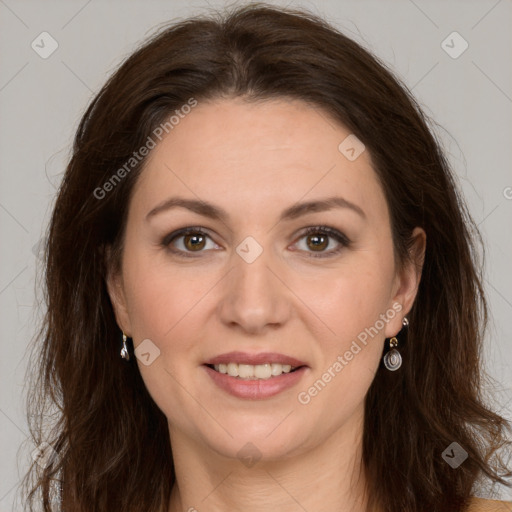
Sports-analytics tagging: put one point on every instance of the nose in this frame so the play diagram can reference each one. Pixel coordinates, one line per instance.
(255, 296)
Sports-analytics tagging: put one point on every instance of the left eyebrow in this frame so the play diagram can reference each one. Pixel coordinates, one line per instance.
(215, 212)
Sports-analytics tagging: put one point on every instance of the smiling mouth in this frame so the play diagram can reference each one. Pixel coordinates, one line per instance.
(253, 372)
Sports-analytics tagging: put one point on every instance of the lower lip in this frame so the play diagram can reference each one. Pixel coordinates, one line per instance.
(257, 389)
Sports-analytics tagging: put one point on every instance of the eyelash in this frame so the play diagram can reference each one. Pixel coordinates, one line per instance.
(324, 230)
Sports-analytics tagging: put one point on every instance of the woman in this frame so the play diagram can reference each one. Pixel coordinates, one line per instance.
(262, 287)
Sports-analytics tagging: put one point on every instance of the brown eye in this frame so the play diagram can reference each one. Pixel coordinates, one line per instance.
(186, 241)
(317, 242)
(318, 238)
(194, 242)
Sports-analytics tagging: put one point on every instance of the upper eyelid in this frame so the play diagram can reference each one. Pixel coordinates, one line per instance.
(206, 231)
(328, 230)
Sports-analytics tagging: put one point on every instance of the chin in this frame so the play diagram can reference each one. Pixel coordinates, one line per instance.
(267, 441)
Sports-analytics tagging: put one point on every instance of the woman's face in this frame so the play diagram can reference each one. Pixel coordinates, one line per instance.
(253, 286)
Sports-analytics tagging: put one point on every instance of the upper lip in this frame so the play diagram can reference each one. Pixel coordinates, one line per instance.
(254, 359)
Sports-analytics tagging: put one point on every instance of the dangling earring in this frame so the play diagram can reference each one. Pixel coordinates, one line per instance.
(124, 350)
(393, 359)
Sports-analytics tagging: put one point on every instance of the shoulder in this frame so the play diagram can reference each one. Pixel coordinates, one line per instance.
(482, 505)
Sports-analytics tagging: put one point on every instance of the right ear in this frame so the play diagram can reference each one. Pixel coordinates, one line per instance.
(115, 287)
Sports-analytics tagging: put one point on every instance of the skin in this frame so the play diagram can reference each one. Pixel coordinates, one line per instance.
(254, 160)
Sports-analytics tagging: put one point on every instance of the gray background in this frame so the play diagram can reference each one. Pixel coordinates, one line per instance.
(41, 101)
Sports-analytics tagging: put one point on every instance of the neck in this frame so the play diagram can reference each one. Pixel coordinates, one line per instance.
(325, 478)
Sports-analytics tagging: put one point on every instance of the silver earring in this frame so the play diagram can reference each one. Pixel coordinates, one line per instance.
(393, 359)
(124, 350)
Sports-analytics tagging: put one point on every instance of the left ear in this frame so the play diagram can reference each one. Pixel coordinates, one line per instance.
(407, 281)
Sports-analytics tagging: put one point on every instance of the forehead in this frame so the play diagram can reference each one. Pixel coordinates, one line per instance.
(257, 155)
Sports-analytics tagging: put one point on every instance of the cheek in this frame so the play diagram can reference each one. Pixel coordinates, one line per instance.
(349, 356)
(350, 299)
(164, 304)
(159, 297)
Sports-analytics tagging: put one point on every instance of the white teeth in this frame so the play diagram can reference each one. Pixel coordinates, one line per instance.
(263, 371)
(249, 371)
(232, 369)
(276, 369)
(245, 371)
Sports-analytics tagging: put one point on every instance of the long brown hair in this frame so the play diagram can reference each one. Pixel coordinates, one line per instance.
(109, 441)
